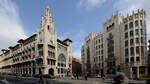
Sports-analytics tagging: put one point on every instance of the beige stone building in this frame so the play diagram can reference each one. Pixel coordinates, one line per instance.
(92, 54)
(134, 40)
(124, 46)
(98, 55)
(42, 52)
(112, 44)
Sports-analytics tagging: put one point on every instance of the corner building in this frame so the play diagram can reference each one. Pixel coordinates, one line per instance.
(92, 55)
(43, 53)
(124, 46)
(134, 40)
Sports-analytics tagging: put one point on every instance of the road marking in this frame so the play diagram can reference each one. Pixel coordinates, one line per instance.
(96, 83)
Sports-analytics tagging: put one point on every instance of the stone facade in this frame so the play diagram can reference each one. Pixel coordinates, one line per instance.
(43, 52)
(134, 40)
(149, 58)
(124, 45)
(92, 55)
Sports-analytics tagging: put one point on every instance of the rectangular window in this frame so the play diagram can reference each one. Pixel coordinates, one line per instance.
(136, 23)
(141, 22)
(101, 46)
(131, 33)
(40, 53)
(137, 50)
(96, 41)
(131, 41)
(48, 27)
(126, 43)
(127, 60)
(132, 51)
(99, 41)
(126, 27)
(137, 32)
(137, 40)
(137, 59)
(131, 24)
(132, 59)
(142, 50)
(49, 53)
(126, 52)
(126, 35)
(142, 40)
(58, 70)
(61, 70)
(141, 31)
(102, 51)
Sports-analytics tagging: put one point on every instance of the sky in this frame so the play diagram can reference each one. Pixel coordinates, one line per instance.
(73, 19)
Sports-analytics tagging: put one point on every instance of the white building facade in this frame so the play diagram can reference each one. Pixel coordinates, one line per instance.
(92, 55)
(43, 52)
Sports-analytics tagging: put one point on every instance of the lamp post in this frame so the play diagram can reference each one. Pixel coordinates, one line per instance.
(41, 76)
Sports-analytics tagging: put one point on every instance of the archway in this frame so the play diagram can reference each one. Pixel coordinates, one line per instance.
(51, 71)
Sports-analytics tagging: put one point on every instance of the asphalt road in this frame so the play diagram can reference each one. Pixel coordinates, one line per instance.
(12, 80)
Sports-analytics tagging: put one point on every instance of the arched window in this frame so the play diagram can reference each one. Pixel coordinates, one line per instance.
(61, 58)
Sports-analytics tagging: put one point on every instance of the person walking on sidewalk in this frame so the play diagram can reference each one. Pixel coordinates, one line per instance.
(41, 81)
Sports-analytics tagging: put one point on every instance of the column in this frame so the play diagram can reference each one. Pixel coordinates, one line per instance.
(137, 71)
(146, 71)
(31, 66)
(130, 72)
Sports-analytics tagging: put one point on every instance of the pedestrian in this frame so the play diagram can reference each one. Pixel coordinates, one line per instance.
(85, 76)
(77, 76)
(17, 77)
(41, 81)
(72, 77)
(81, 77)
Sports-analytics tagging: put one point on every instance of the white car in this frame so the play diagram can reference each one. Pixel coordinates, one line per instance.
(98, 76)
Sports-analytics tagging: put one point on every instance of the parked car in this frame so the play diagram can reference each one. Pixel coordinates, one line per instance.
(25, 75)
(98, 76)
(36, 75)
(48, 76)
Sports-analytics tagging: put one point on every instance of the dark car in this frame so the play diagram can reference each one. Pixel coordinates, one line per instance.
(36, 75)
(48, 76)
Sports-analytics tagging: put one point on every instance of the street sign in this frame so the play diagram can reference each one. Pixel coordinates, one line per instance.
(131, 72)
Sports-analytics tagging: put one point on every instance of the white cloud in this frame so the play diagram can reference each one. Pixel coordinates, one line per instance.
(127, 6)
(10, 25)
(90, 4)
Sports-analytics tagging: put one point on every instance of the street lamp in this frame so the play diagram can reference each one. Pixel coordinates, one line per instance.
(41, 77)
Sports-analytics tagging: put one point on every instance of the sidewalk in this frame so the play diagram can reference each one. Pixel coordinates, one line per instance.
(126, 82)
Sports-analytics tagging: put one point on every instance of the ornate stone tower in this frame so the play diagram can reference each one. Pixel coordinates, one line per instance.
(47, 38)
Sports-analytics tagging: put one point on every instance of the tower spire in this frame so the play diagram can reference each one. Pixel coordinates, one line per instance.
(48, 15)
(42, 21)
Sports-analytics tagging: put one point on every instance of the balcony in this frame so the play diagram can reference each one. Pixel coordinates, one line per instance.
(52, 58)
(110, 59)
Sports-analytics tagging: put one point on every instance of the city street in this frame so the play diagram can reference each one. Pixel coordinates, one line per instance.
(12, 80)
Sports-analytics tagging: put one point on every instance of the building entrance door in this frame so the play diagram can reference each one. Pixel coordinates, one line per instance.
(51, 71)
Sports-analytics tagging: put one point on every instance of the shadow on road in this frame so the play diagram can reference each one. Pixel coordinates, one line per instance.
(12, 80)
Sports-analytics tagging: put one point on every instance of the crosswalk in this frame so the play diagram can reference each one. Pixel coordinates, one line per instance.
(4, 81)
